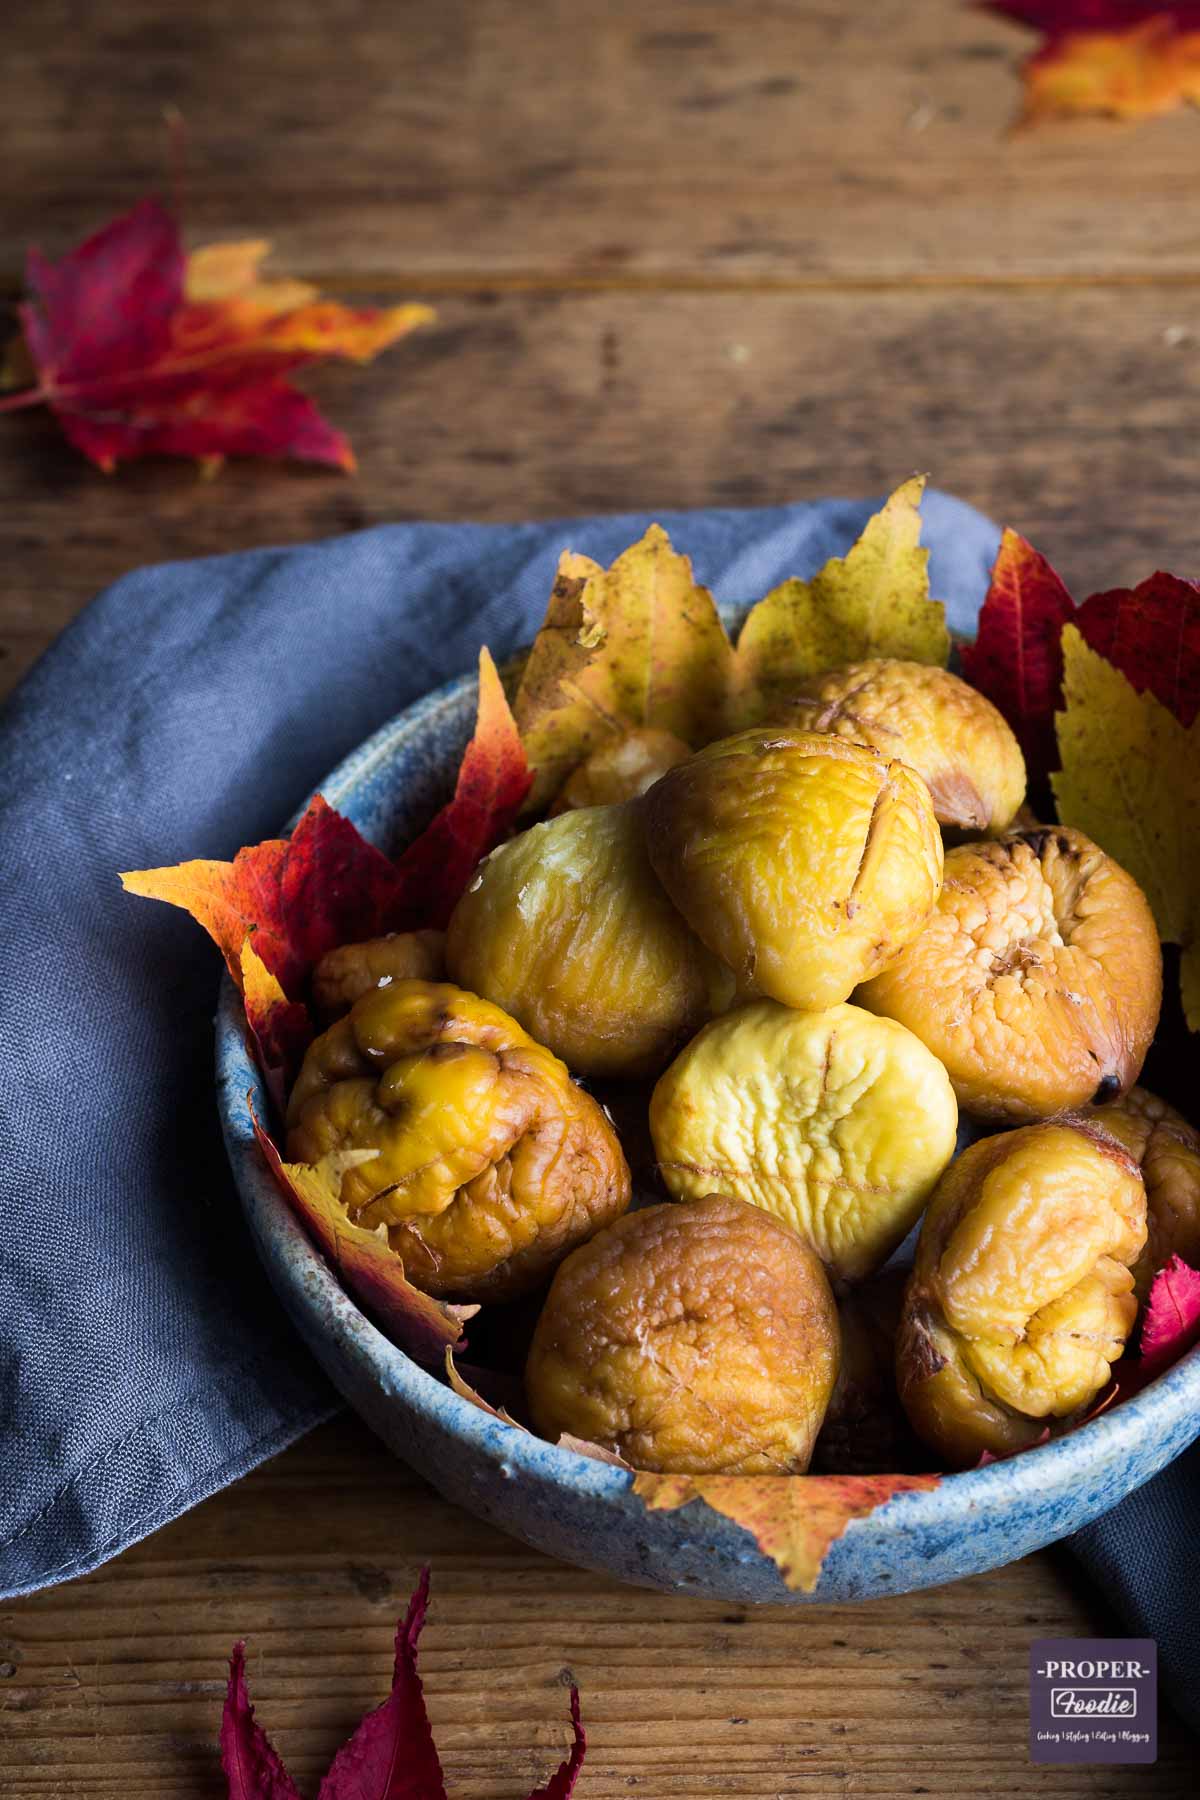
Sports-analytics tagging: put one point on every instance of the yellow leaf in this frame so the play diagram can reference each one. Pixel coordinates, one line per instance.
(795, 1519)
(638, 644)
(874, 601)
(228, 271)
(1130, 779)
(1134, 72)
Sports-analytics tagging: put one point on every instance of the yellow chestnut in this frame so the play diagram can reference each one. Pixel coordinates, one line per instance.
(567, 928)
(837, 1122)
(948, 732)
(1021, 1295)
(697, 1339)
(622, 769)
(1037, 980)
(490, 1162)
(1167, 1150)
(803, 861)
(344, 975)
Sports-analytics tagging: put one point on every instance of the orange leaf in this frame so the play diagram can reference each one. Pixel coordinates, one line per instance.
(1132, 73)
(363, 1260)
(280, 1029)
(793, 1518)
(298, 897)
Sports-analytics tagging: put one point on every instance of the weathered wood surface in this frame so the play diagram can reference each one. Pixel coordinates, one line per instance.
(687, 255)
(117, 1681)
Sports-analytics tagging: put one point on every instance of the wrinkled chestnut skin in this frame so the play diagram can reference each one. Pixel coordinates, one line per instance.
(1021, 1294)
(837, 1122)
(1167, 1150)
(694, 1340)
(1037, 981)
(804, 862)
(344, 975)
(622, 769)
(492, 1164)
(949, 733)
(866, 1431)
(568, 929)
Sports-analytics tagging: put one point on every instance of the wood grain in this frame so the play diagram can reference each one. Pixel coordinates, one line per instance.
(117, 1680)
(803, 139)
(1062, 413)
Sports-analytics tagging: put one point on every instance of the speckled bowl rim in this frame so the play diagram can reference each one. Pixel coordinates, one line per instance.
(1157, 1412)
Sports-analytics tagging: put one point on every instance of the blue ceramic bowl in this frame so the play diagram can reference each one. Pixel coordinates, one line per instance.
(583, 1510)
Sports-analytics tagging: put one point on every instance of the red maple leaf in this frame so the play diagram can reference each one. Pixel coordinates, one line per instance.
(1016, 659)
(1171, 1323)
(1056, 17)
(391, 1756)
(1151, 633)
(133, 364)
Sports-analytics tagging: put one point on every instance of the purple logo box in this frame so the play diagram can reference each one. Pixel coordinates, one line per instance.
(1093, 1700)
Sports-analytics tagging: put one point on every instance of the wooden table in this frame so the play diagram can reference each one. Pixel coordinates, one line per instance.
(686, 254)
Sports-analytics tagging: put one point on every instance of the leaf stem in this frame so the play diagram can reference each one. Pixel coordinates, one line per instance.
(27, 397)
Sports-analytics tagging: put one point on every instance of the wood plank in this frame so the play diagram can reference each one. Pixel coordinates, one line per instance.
(1067, 414)
(801, 140)
(112, 1685)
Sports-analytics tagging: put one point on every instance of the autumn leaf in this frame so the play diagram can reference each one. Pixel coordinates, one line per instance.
(252, 1768)
(280, 1029)
(392, 1754)
(1130, 779)
(139, 350)
(874, 601)
(294, 897)
(639, 644)
(793, 1518)
(1016, 659)
(494, 779)
(1129, 59)
(363, 1260)
(1171, 1322)
(642, 643)
(1152, 634)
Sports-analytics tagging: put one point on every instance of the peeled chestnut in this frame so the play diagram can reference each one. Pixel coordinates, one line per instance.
(1167, 1150)
(1021, 1295)
(1037, 980)
(837, 1122)
(804, 862)
(622, 769)
(344, 975)
(696, 1339)
(926, 717)
(491, 1164)
(567, 928)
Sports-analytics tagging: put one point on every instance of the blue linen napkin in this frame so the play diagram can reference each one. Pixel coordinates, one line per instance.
(143, 1361)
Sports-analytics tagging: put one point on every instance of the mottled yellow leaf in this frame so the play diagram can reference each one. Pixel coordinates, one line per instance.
(1130, 779)
(874, 601)
(638, 644)
(793, 1518)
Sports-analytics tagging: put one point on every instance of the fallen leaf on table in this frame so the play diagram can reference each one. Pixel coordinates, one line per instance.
(252, 1767)
(1171, 1321)
(139, 350)
(1016, 659)
(363, 1260)
(642, 644)
(391, 1756)
(1129, 59)
(1130, 779)
(494, 779)
(795, 1519)
(874, 601)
